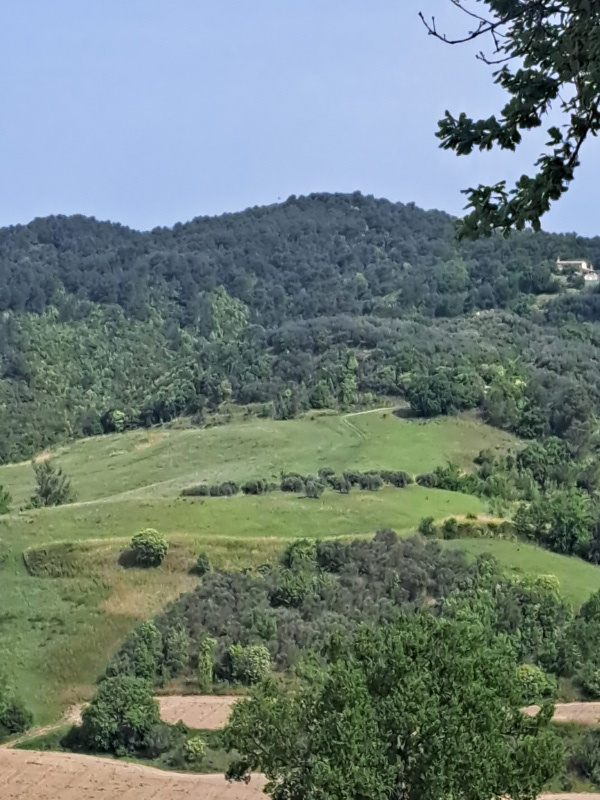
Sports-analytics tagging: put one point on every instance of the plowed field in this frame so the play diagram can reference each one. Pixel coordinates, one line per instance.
(49, 776)
(207, 712)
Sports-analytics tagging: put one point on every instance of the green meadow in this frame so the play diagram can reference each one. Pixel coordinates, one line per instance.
(67, 602)
(578, 579)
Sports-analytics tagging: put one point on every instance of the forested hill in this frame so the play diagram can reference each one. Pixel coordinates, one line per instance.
(307, 257)
(314, 302)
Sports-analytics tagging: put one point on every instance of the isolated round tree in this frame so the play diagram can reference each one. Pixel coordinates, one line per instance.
(120, 716)
(149, 548)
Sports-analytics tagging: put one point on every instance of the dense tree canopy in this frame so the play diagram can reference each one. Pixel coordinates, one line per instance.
(321, 301)
(547, 55)
(423, 709)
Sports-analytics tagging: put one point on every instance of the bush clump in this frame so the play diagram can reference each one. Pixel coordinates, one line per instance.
(313, 488)
(225, 489)
(202, 565)
(149, 548)
(120, 717)
(536, 685)
(194, 750)
(292, 482)
(427, 527)
(339, 484)
(371, 481)
(428, 480)
(15, 717)
(249, 664)
(398, 478)
(258, 486)
(201, 490)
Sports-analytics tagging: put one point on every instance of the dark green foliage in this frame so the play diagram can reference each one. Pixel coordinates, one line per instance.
(250, 664)
(201, 490)
(292, 483)
(421, 707)
(259, 486)
(149, 548)
(53, 487)
(450, 529)
(291, 588)
(141, 654)
(299, 555)
(225, 489)
(325, 474)
(313, 488)
(204, 672)
(536, 685)
(452, 479)
(202, 565)
(428, 480)
(427, 527)
(444, 391)
(586, 758)
(15, 717)
(339, 484)
(321, 396)
(588, 680)
(5, 500)
(548, 461)
(331, 586)
(322, 299)
(580, 652)
(121, 716)
(561, 521)
(398, 479)
(176, 651)
(371, 481)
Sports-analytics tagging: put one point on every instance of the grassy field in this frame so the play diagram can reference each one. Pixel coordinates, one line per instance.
(578, 579)
(159, 463)
(61, 620)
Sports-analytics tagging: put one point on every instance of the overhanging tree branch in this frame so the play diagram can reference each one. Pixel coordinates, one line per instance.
(549, 51)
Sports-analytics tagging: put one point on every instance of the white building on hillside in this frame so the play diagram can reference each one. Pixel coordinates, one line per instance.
(583, 267)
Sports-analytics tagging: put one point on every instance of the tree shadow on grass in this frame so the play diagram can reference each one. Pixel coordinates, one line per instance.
(128, 559)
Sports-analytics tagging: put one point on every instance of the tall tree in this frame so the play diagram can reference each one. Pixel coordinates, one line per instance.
(53, 487)
(422, 709)
(548, 56)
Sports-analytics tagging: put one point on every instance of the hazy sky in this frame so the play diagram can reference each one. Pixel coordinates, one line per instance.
(149, 112)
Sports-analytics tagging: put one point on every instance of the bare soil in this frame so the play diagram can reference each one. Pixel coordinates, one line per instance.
(570, 796)
(207, 712)
(48, 776)
(581, 713)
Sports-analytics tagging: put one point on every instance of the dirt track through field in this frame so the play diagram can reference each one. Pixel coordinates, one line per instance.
(565, 796)
(581, 713)
(210, 712)
(30, 775)
(49, 776)
(207, 712)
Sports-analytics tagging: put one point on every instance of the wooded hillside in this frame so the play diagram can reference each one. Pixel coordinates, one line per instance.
(316, 302)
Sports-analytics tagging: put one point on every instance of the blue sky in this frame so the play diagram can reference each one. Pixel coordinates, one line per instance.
(150, 112)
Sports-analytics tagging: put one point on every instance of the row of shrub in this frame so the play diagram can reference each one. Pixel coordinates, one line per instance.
(309, 485)
(469, 528)
(229, 489)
